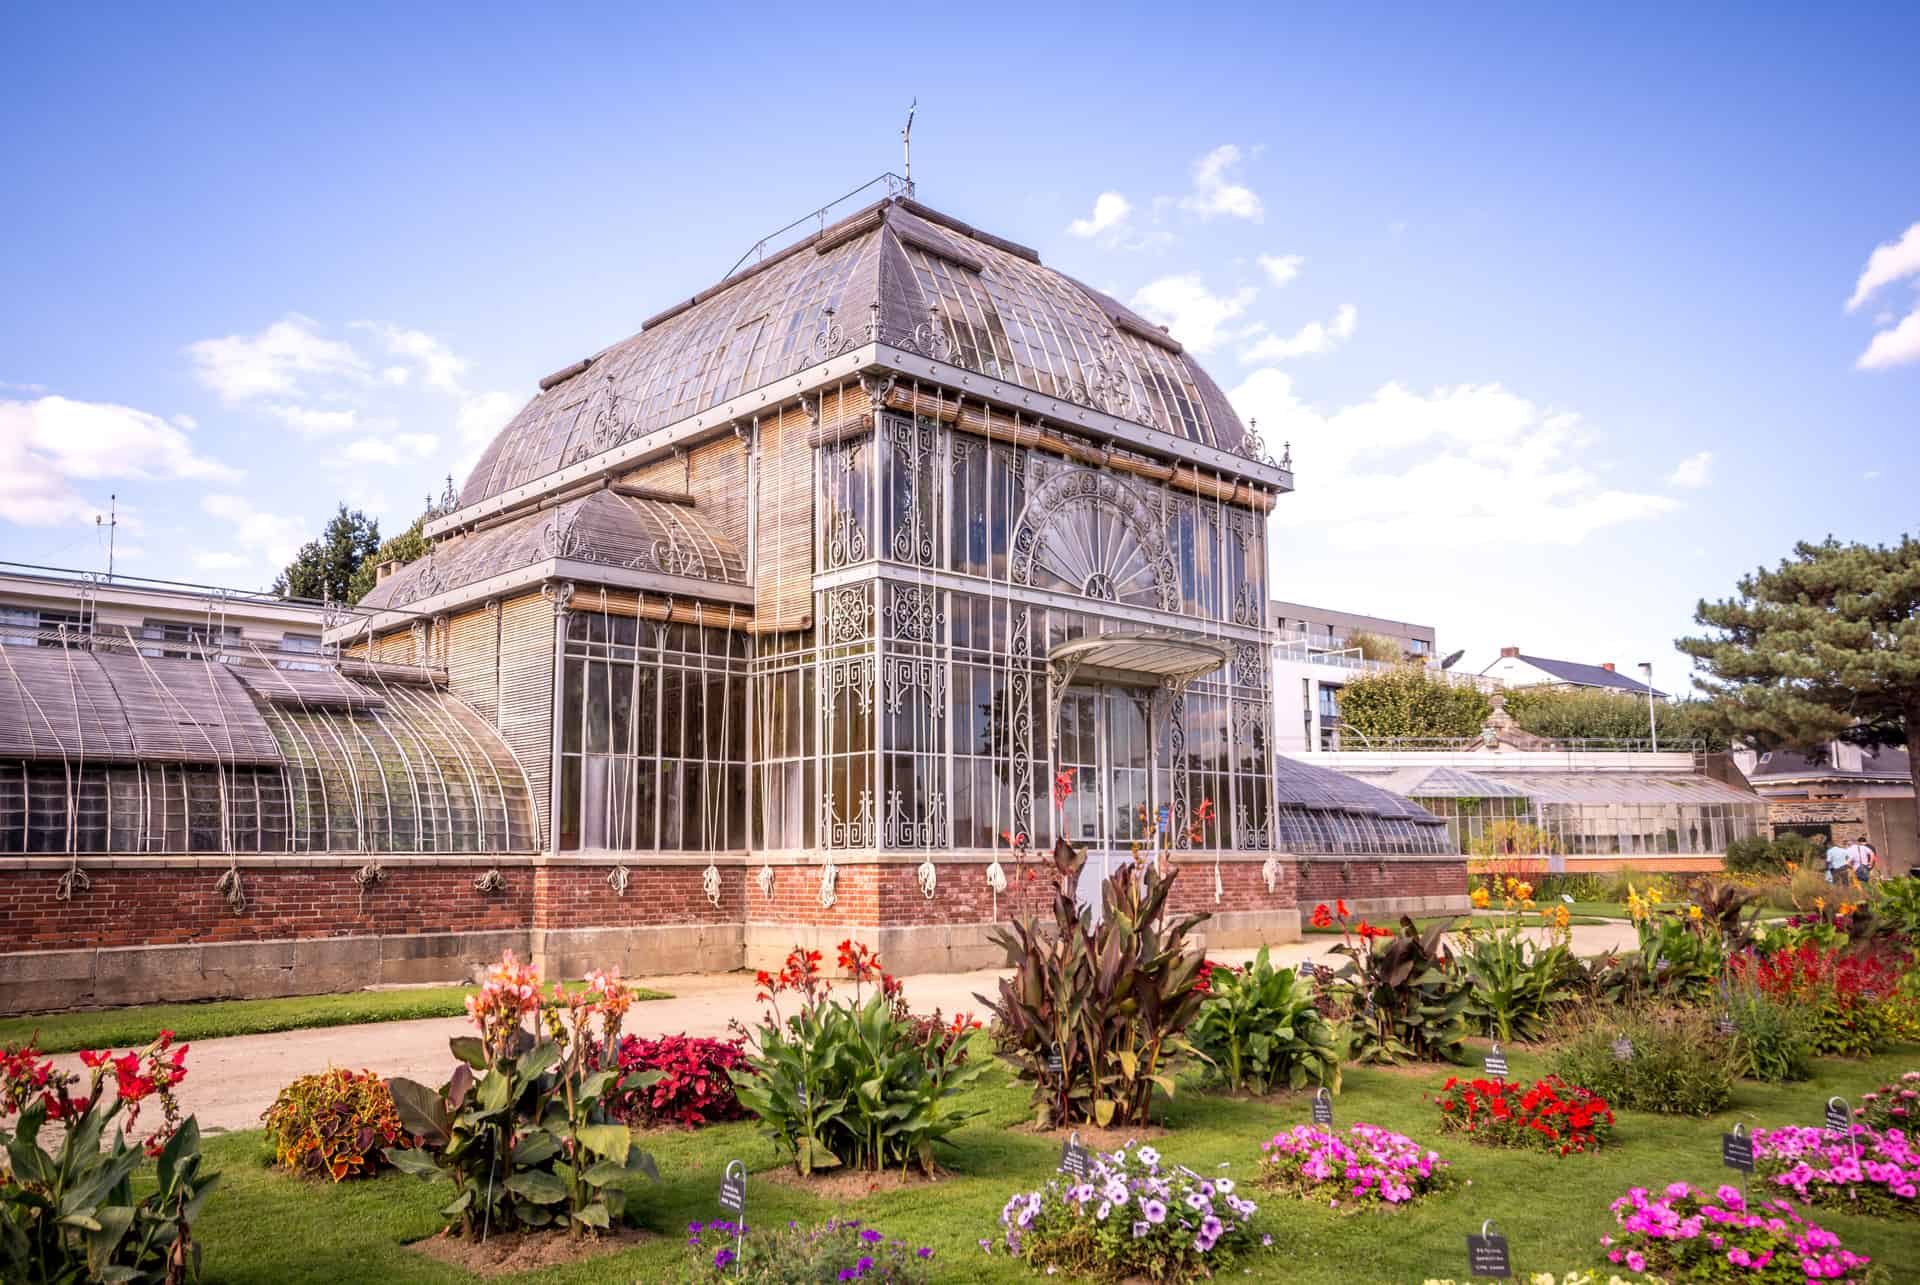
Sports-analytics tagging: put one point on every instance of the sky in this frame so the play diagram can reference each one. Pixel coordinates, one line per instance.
(1570, 318)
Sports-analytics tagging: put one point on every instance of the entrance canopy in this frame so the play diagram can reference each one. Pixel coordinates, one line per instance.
(1141, 657)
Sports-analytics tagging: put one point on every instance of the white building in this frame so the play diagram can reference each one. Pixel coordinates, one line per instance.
(49, 607)
(1314, 659)
(1514, 668)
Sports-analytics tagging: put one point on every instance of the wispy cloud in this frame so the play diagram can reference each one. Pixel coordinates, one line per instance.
(269, 538)
(278, 361)
(1110, 211)
(1191, 313)
(49, 444)
(1693, 472)
(1216, 193)
(1899, 343)
(1280, 268)
(1311, 340)
(1887, 264)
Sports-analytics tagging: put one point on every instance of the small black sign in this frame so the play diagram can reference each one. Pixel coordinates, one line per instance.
(733, 1190)
(1054, 1066)
(1074, 1160)
(1839, 1119)
(1736, 1151)
(1496, 1062)
(1623, 1049)
(1323, 1108)
(1725, 1024)
(1488, 1256)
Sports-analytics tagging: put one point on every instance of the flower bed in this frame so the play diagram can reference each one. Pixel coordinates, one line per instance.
(336, 1123)
(1369, 1166)
(1550, 1116)
(1821, 1168)
(1682, 1234)
(1846, 994)
(833, 1251)
(1130, 1218)
(1892, 1106)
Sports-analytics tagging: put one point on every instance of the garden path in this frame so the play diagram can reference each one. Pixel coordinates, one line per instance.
(233, 1080)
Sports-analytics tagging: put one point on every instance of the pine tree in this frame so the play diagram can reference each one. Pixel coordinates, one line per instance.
(1825, 647)
(324, 568)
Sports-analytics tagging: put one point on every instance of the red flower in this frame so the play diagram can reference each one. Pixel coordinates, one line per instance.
(1340, 907)
(1322, 917)
(92, 1060)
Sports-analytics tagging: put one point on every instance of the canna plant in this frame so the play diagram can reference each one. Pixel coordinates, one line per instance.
(859, 1081)
(71, 1214)
(1094, 1012)
(1518, 983)
(1259, 1030)
(522, 1126)
(1409, 996)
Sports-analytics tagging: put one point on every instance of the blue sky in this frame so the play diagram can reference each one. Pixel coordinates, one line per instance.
(1553, 307)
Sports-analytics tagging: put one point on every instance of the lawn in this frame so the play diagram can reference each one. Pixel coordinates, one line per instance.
(134, 1027)
(266, 1227)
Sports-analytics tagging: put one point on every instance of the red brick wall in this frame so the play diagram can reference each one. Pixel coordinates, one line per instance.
(1362, 879)
(170, 905)
(579, 896)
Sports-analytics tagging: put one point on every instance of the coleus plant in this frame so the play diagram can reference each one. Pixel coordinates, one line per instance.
(1093, 1012)
(521, 1126)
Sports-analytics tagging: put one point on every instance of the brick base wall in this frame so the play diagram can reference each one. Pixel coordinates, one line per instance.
(1371, 885)
(157, 927)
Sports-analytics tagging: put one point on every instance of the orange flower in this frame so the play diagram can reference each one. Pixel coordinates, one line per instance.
(1322, 918)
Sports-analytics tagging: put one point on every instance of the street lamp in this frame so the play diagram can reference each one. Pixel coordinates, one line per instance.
(1653, 728)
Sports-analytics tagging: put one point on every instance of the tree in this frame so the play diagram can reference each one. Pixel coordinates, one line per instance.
(1375, 647)
(1825, 647)
(1407, 701)
(403, 548)
(325, 568)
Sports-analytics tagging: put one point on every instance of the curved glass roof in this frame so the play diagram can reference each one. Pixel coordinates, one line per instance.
(107, 750)
(898, 264)
(604, 527)
(1316, 810)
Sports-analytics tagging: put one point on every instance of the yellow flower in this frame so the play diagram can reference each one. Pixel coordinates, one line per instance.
(1819, 903)
(1560, 916)
(1480, 898)
(1524, 891)
(1653, 895)
(1528, 903)
(1846, 908)
(1693, 913)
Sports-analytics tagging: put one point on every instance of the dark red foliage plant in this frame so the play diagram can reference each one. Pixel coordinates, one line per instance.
(693, 1088)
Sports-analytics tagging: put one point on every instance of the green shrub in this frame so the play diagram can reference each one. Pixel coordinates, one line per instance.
(1517, 982)
(1772, 1042)
(1573, 713)
(1093, 1012)
(1896, 903)
(521, 1126)
(1408, 701)
(1259, 1031)
(1552, 887)
(335, 1123)
(858, 1082)
(1678, 1067)
(1408, 995)
(1759, 855)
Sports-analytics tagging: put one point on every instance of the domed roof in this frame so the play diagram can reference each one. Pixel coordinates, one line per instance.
(925, 281)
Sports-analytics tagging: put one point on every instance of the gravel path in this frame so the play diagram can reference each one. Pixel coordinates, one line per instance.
(233, 1080)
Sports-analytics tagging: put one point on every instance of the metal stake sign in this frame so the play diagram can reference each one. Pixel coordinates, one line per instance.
(1736, 1152)
(1623, 1049)
(1840, 1121)
(1323, 1107)
(1074, 1160)
(1496, 1061)
(1487, 1253)
(733, 1200)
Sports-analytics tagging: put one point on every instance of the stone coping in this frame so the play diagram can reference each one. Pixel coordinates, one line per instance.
(484, 860)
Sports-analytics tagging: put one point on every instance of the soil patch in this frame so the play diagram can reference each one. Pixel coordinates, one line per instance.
(1095, 1138)
(849, 1184)
(503, 1255)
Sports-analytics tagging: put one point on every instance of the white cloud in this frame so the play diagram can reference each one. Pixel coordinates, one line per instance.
(1692, 472)
(1473, 464)
(1894, 347)
(1192, 314)
(389, 450)
(315, 423)
(396, 375)
(1888, 263)
(438, 364)
(1311, 340)
(1110, 211)
(1215, 194)
(220, 561)
(278, 360)
(258, 536)
(48, 444)
(1280, 268)
(484, 414)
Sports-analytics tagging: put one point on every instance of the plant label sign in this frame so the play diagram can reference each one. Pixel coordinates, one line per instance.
(1054, 1065)
(1487, 1255)
(1725, 1024)
(1623, 1049)
(1839, 1118)
(1322, 1107)
(733, 1189)
(1496, 1061)
(1736, 1151)
(1074, 1160)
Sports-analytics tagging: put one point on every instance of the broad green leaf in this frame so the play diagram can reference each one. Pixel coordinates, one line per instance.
(609, 1140)
(540, 1187)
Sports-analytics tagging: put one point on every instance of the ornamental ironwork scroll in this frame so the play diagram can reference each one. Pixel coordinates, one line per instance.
(849, 615)
(903, 830)
(1132, 560)
(917, 680)
(914, 612)
(846, 529)
(911, 449)
(1020, 694)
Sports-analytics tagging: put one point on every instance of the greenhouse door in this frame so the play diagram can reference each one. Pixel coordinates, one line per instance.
(1102, 739)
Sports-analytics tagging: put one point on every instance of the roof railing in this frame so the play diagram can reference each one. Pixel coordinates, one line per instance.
(895, 185)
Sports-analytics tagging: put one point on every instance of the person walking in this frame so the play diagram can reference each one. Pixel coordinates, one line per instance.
(1838, 859)
(1868, 864)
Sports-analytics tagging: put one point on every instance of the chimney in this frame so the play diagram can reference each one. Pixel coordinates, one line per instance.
(1607, 665)
(384, 570)
(1509, 652)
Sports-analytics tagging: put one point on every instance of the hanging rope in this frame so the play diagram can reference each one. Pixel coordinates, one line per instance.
(829, 875)
(766, 880)
(74, 880)
(710, 882)
(229, 885)
(617, 880)
(1270, 871)
(929, 878)
(491, 881)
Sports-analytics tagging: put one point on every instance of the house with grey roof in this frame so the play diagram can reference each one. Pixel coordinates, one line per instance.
(1515, 668)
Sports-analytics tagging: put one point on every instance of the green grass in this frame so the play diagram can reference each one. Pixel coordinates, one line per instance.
(266, 1227)
(134, 1027)
(1455, 922)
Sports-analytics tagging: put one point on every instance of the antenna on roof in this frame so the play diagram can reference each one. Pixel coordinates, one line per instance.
(110, 522)
(906, 144)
